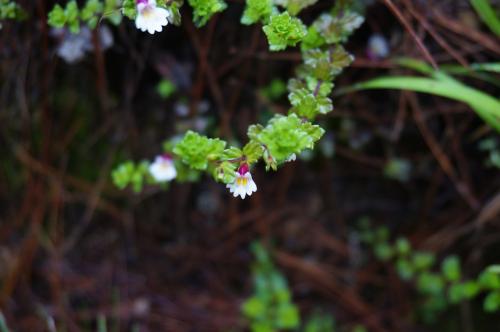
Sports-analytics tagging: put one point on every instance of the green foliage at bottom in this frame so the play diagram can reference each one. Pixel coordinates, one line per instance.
(439, 287)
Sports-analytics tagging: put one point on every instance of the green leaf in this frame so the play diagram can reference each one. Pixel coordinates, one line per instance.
(166, 88)
(90, 11)
(175, 14)
(112, 11)
(275, 90)
(232, 153)
(128, 173)
(423, 260)
(462, 291)
(492, 302)
(451, 268)
(313, 39)
(405, 269)
(285, 135)
(430, 283)
(403, 246)
(383, 251)
(487, 14)
(307, 105)
(283, 31)
(56, 17)
(288, 316)
(122, 174)
(253, 151)
(398, 169)
(196, 150)
(253, 307)
(129, 9)
(203, 10)
(486, 106)
(494, 269)
(320, 323)
(72, 16)
(324, 65)
(295, 6)
(257, 10)
(489, 280)
(254, 131)
(337, 28)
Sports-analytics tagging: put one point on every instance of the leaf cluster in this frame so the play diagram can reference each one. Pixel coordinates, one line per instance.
(295, 6)
(72, 16)
(284, 30)
(10, 10)
(257, 11)
(270, 308)
(440, 287)
(203, 10)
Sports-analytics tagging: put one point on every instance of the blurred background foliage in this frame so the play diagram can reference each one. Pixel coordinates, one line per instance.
(391, 224)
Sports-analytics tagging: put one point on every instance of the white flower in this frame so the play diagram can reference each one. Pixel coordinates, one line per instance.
(149, 17)
(243, 183)
(73, 47)
(163, 169)
(378, 47)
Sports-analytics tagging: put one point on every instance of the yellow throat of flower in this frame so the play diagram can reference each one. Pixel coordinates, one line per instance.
(241, 181)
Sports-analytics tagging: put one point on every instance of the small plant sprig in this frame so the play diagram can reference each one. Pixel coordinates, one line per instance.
(440, 287)
(72, 17)
(270, 307)
(10, 10)
(283, 136)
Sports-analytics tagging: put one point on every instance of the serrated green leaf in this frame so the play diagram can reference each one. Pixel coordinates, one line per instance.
(257, 10)
(232, 153)
(285, 135)
(430, 283)
(336, 28)
(451, 268)
(403, 246)
(489, 280)
(196, 150)
(405, 269)
(295, 6)
(288, 316)
(129, 9)
(492, 302)
(89, 12)
(254, 131)
(253, 151)
(253, 307)
(203, 10)
(283, 31)
(57, 17)
(423, 260)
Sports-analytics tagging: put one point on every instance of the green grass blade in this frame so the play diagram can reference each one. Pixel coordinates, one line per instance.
(424, 68)
(487, 14)
(3, 324)
(101, 323)
(486, 106)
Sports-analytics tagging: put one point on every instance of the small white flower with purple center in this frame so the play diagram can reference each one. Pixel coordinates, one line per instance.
(150, 18)
(163, 168)
(243, 184)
